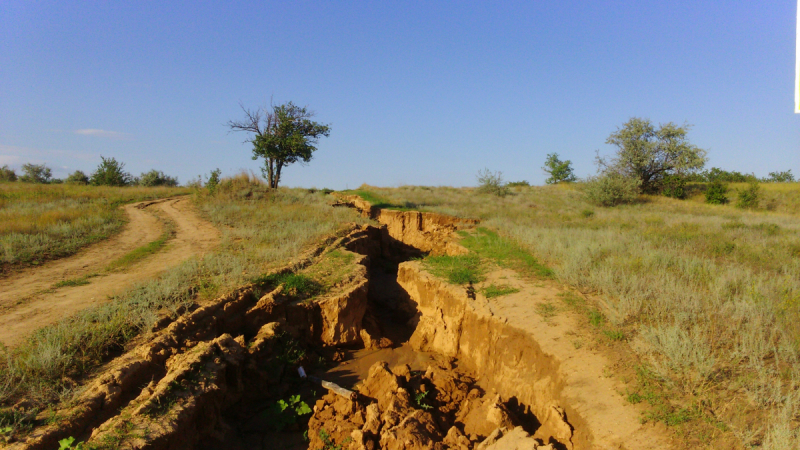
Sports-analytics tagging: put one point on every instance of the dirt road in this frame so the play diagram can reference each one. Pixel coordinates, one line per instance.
(28, 302)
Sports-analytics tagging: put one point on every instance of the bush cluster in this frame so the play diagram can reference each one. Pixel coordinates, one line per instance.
(717, 193)
(109, 172)
(7, 174)
(732, 176)
(36, 173)
(492, 183)
(611, 189)
(674, 186)
(748, 198)
(77, 177)
(156, 178)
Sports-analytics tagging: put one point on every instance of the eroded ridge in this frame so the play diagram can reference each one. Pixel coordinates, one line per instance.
(170, 391)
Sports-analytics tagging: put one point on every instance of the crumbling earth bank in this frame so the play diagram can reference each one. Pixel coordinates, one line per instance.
(401, 409)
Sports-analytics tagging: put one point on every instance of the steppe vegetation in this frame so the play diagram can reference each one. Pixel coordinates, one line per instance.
(44, 218)
(39, 222)
(261, 230)
(705, 296)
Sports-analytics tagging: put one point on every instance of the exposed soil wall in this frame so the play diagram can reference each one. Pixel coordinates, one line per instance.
(410, 233)
(503, 358)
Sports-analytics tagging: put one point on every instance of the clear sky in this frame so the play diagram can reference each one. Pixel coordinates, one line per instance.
(415, 92)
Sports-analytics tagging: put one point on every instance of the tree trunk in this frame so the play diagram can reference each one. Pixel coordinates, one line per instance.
(277, 175)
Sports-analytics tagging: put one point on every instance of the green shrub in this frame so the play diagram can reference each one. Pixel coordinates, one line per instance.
(611, 189)
(77, 177)
(213, 180)
(494, 290)
(748, 198)
(559, 171)
(674, 186)
(492, 183)
(36, 173)
(157, 178)
(780, 177)
(717, 193)
(7, 174)
(109, 173)
(522, 183)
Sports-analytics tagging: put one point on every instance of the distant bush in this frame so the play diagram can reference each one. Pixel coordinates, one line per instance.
(36, 173)
(110, 173)
(611, 189)
(674, 186)
(780, 177)
(492, 183)
(7, 174)
(717, 174)
(717, 193)
(77, 177)
(213, 180)
(157, 178)
(196, 182)
(522, 183)
(559, 171)
(748, 198)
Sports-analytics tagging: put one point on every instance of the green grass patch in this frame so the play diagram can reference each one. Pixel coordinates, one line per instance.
(596, 318)
(546, 310)
(614, 335)
(82, 281)
(144, 251)
(461, 269)
(494, 290)
(294, 284)
(505, 252)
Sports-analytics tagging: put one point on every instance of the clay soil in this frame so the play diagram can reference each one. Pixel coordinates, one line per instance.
(28, 299)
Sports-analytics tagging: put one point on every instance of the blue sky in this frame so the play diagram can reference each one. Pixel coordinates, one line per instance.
(415, 92)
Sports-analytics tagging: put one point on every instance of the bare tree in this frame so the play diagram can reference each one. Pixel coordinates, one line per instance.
(282, 135)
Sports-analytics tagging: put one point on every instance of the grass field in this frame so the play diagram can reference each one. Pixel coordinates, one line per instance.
(707, 297)
(40, 222)
(260, 230)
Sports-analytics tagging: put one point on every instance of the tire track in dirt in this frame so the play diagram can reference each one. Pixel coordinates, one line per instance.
(27, 303)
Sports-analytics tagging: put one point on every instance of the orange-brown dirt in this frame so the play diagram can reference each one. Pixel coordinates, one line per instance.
(28, 300)
(488, 374)
(403, 409)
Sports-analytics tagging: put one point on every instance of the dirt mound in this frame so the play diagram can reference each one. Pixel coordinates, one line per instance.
(402, 409)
